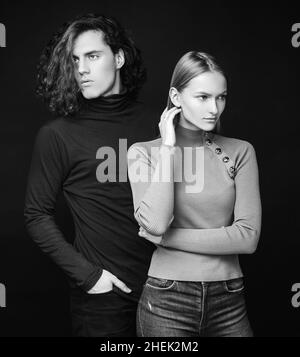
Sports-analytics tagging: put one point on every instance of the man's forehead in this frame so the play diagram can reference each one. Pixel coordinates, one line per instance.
(88, 41)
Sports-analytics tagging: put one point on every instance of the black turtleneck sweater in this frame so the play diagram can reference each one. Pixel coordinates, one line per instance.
(72, 155)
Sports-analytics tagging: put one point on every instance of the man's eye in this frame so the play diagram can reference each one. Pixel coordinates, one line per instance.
(222, 97)
(93, 57)
(76, 60)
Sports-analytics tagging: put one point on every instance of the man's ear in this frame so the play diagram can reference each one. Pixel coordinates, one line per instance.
(175, 97)
(120, 58)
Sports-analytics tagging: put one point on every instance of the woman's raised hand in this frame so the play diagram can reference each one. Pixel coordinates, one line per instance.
(166, 126)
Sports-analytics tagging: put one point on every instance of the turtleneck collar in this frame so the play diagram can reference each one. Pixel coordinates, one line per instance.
(192, 137)
(110, 105)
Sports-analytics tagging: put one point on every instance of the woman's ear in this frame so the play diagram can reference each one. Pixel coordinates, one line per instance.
(175, 97)
(120, 58)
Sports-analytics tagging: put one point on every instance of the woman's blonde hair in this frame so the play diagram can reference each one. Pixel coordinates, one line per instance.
(188, 67)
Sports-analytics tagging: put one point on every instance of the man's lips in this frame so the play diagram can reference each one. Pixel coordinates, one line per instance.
(85, 82)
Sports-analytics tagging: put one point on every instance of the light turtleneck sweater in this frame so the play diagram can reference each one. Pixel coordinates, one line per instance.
(203, 224)
(67, 156)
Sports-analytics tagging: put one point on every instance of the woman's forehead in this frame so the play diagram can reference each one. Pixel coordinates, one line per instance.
(209, 82)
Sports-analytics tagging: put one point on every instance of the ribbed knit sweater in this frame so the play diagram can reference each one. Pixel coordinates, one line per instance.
(204, 224)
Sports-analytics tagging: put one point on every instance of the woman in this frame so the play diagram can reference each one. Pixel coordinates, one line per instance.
(195, 285)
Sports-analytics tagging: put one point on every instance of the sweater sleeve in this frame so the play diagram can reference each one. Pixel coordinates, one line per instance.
(239, 238)
(148, 182)
(49, 168)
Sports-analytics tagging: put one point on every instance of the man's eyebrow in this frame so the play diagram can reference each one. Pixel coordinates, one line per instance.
(89, 53)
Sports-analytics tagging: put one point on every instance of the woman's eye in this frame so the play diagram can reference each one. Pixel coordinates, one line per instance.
(76, 60)
(202, 97)
(222, 97)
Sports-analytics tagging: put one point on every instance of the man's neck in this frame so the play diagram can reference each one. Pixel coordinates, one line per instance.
(117, 87)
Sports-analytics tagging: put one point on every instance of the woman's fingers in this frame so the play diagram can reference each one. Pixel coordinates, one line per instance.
(166, 126)
(163, 113)
(167, 112)
(169, 115)
(171, 112)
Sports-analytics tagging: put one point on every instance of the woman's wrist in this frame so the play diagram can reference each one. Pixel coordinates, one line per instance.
(166, 149)
(168, 144)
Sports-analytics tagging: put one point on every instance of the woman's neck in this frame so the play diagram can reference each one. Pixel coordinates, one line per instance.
(190, 137)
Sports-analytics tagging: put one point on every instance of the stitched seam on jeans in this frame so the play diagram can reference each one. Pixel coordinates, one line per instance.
(235, 290)
(158, 288)
(202, 305)
(139, 318)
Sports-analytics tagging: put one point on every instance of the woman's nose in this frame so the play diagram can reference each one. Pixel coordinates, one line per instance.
(213, 107)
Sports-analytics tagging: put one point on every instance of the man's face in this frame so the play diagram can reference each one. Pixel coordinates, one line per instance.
(97, 69)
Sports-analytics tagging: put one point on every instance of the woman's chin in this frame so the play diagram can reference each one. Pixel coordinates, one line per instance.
(208, 126)
(197, 125)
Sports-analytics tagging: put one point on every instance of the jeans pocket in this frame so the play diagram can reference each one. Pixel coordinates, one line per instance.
(234, 285)
(160, 284)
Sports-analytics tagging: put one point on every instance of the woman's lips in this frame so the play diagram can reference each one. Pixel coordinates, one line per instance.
(210, 119)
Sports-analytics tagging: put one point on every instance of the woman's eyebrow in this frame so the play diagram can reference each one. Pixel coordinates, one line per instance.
(209, 94)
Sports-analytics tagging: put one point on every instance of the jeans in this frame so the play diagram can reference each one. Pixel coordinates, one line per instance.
(170, 308)
(102, 315)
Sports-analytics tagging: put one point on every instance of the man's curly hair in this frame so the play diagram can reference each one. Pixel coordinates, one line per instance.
(56, 82)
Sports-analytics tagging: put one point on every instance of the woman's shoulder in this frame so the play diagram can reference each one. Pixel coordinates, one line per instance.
(232, 145)
(233, 152)
(145, 146)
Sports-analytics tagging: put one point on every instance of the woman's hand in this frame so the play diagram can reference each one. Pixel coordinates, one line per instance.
(166, 126)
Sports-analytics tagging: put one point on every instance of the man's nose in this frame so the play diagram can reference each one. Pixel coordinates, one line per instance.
(82, 67)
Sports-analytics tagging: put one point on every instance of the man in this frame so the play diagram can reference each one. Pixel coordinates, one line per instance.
(90, 75)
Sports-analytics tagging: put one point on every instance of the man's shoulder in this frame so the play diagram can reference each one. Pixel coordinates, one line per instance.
(148, 112)
(55, 127)
(52, 132)
(57, 124)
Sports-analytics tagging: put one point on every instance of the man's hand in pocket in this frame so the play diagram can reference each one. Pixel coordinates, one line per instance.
(106, 283)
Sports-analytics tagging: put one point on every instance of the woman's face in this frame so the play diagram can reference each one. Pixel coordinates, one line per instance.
(203, 101)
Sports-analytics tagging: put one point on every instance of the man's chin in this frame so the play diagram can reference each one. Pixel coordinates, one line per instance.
(90, 95)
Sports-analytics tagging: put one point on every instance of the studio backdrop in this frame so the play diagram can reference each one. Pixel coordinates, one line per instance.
(259, 48)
